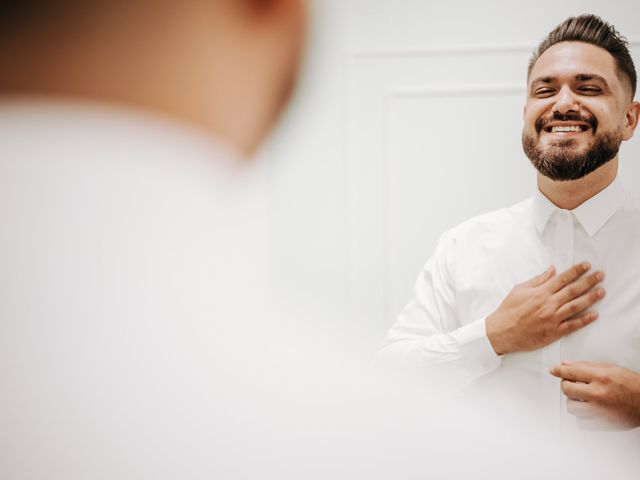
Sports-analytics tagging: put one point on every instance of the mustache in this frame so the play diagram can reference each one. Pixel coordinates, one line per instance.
(567, 117)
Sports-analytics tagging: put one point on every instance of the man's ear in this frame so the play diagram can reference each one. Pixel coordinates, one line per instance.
(259, 5)
(632, 116)
(264, 9)
(271, 16)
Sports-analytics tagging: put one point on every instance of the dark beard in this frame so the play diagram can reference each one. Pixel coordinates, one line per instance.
(559, 161)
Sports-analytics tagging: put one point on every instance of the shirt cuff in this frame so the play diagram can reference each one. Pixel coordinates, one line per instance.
(473, 340)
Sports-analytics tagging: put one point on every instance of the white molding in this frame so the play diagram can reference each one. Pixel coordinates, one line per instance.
(466, 90)
(442, 51)
(458, 50)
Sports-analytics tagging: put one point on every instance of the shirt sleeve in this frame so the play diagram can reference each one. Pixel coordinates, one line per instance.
(428, 333)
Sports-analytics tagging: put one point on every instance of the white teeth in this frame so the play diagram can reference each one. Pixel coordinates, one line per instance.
(563, 128)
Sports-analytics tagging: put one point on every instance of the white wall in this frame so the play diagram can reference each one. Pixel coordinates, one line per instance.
(407, 122)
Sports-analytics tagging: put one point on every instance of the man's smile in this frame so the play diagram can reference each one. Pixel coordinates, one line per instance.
(566, 128)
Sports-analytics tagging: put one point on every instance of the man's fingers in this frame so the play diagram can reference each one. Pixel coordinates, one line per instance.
(575, 390)
(578, 288)
(575, 372)
(543, 277)
(565, 278)
(585, 364)
(569, 326)
(583, 371)
(580, 304)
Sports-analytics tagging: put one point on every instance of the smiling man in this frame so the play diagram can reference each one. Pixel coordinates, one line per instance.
(470, 322)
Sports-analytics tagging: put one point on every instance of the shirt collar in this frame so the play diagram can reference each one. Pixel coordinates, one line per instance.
(592, 214)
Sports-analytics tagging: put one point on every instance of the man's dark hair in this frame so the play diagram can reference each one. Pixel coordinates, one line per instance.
(592, 29)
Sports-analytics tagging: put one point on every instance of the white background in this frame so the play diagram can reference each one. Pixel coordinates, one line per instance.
(407, 121)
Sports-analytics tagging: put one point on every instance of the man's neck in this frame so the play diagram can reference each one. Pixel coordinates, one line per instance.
(571, 194)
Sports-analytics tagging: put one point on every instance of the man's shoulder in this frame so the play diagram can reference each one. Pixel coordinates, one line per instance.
(493, 222)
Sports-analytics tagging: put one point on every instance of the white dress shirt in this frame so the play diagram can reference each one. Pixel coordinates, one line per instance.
(477, 263)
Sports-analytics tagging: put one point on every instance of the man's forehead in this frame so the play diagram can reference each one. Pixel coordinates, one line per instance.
(568, 59)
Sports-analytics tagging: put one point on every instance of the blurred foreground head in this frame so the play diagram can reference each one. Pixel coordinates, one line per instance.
(226, 65)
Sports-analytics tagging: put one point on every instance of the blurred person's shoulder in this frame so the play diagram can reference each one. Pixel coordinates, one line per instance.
(151, 208)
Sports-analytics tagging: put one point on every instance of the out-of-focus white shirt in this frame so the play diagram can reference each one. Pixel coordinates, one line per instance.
(477, 263)
(133, 264)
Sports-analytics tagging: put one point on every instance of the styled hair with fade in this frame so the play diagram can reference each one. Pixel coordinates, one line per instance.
(592, 29)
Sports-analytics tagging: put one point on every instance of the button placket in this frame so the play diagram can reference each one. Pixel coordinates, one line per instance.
(562, 250)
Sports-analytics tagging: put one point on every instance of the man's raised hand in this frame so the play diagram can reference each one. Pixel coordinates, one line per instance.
(545, 308)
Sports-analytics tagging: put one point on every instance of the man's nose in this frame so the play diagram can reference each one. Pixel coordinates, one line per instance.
(566, 101)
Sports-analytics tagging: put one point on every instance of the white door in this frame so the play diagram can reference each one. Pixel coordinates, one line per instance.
(407, 122)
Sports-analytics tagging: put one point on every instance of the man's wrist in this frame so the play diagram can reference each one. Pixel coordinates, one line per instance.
(495, 339)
